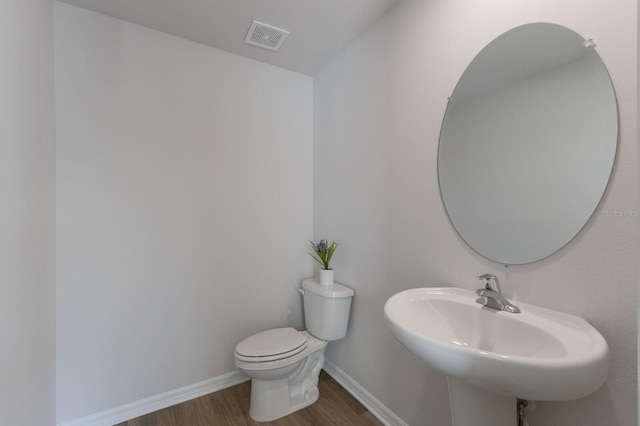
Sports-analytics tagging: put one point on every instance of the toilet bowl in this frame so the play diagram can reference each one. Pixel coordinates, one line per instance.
(284, 363)
(282, 382)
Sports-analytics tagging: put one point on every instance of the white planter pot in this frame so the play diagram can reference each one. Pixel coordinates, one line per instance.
(326, 276)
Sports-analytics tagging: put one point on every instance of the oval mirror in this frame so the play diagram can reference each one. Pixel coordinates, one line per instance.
(527, 143)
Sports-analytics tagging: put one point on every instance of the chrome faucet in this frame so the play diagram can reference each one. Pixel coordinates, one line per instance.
(491, 295)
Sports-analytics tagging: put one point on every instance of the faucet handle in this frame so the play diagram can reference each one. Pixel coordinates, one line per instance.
(487, 277)
(486, 280)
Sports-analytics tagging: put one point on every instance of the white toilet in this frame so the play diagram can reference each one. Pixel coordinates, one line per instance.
(284, 363)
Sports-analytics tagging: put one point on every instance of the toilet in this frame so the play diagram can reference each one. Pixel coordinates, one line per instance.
(284, 363)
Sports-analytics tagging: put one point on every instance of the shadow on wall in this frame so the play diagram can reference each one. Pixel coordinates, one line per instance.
(294, 309)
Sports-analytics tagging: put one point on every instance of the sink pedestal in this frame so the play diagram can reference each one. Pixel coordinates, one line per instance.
(471, 406)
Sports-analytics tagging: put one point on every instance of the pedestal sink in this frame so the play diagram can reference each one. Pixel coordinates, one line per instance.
(538, 354)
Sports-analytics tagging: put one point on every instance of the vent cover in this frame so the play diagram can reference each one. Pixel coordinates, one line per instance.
(265, 36)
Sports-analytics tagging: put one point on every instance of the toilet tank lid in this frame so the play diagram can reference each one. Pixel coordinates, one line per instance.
(334, 291)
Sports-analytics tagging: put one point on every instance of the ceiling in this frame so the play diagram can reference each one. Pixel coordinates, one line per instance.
(319, 29)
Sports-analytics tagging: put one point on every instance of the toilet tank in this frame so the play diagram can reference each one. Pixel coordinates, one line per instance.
(326, 309)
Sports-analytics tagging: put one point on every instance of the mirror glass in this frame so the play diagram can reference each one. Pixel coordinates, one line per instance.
(528, 143)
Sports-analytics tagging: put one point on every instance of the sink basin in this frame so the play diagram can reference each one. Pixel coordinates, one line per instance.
(538, 354)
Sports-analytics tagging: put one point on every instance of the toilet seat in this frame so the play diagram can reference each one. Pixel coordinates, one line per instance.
(271, 345)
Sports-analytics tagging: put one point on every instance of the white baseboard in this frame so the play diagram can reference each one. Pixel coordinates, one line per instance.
(158, 402)
(374, 406)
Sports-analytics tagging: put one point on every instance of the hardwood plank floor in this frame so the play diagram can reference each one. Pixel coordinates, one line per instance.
(230, 407)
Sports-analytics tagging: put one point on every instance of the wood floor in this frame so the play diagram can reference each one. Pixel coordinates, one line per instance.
(230, 407)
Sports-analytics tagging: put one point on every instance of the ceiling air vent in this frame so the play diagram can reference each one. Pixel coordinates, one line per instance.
(265, 36)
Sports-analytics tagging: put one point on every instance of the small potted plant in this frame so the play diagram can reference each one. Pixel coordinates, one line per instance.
(322, 253)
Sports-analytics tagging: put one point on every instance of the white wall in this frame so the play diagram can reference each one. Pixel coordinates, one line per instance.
(184, 207)
(377, 113)
(27, 228)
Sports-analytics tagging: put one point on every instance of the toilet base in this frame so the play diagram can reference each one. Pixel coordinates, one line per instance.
(273, 399)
